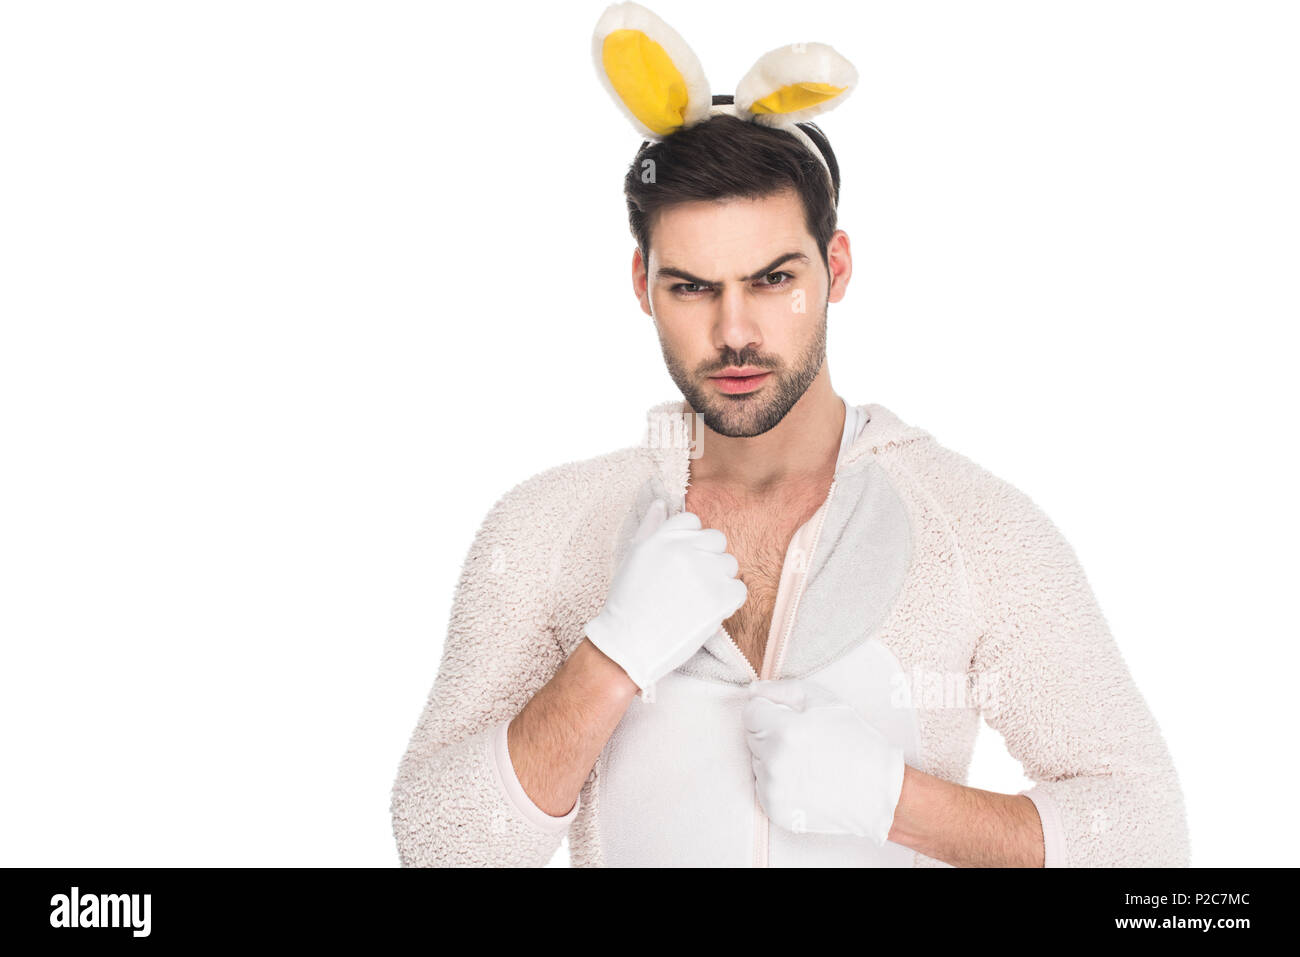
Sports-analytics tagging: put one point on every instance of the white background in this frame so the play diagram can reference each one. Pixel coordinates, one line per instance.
(291, 293)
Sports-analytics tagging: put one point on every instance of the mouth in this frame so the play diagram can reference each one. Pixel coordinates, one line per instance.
(739, 382)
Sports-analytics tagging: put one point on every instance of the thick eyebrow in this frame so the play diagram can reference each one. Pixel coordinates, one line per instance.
(770, 267)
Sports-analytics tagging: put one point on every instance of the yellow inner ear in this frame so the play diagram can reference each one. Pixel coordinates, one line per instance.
(644, 77)
(796, 96)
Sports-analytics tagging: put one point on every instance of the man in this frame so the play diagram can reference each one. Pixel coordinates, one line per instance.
(747, 656)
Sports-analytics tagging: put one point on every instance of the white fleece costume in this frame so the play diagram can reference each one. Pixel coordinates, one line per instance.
(920, 566)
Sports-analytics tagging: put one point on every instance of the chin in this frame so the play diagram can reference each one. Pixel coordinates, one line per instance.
(739, 416)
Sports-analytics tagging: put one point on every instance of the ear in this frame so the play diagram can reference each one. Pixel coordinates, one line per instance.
(794, 83)
(649, 70)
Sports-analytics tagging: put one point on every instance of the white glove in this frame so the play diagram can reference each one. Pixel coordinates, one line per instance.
(819, 766)
(676, 586)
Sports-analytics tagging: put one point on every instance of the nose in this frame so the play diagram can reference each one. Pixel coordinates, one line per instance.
(734, 327)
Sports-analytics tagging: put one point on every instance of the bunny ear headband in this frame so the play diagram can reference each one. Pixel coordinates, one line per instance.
(656, 79)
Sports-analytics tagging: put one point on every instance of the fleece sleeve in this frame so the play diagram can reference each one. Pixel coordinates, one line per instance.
(456, 800)
(1054, 685)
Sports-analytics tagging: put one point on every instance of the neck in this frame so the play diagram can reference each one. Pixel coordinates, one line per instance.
(803, 447)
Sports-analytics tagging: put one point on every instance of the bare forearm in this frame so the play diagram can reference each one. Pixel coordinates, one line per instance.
(555, 740)
(964, 826)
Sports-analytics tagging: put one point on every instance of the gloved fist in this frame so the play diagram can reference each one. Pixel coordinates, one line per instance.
(674, 589)
(820, 768)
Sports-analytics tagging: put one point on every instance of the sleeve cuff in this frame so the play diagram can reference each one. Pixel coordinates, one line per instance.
(1049, 815)
(508, 782)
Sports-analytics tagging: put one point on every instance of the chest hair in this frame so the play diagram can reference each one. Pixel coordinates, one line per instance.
(758, 531)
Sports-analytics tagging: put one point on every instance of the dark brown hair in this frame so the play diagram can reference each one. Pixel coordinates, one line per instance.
(724, 157)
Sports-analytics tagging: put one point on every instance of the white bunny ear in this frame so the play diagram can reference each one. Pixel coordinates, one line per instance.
(649, 70)
(794, 83)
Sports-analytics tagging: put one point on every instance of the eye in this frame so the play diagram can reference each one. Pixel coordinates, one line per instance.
(783, 282)
(681, 288)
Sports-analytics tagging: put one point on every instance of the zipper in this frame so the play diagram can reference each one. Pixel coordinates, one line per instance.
(794, 605)
(760, 816)
(739, 654)
(772, 659)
